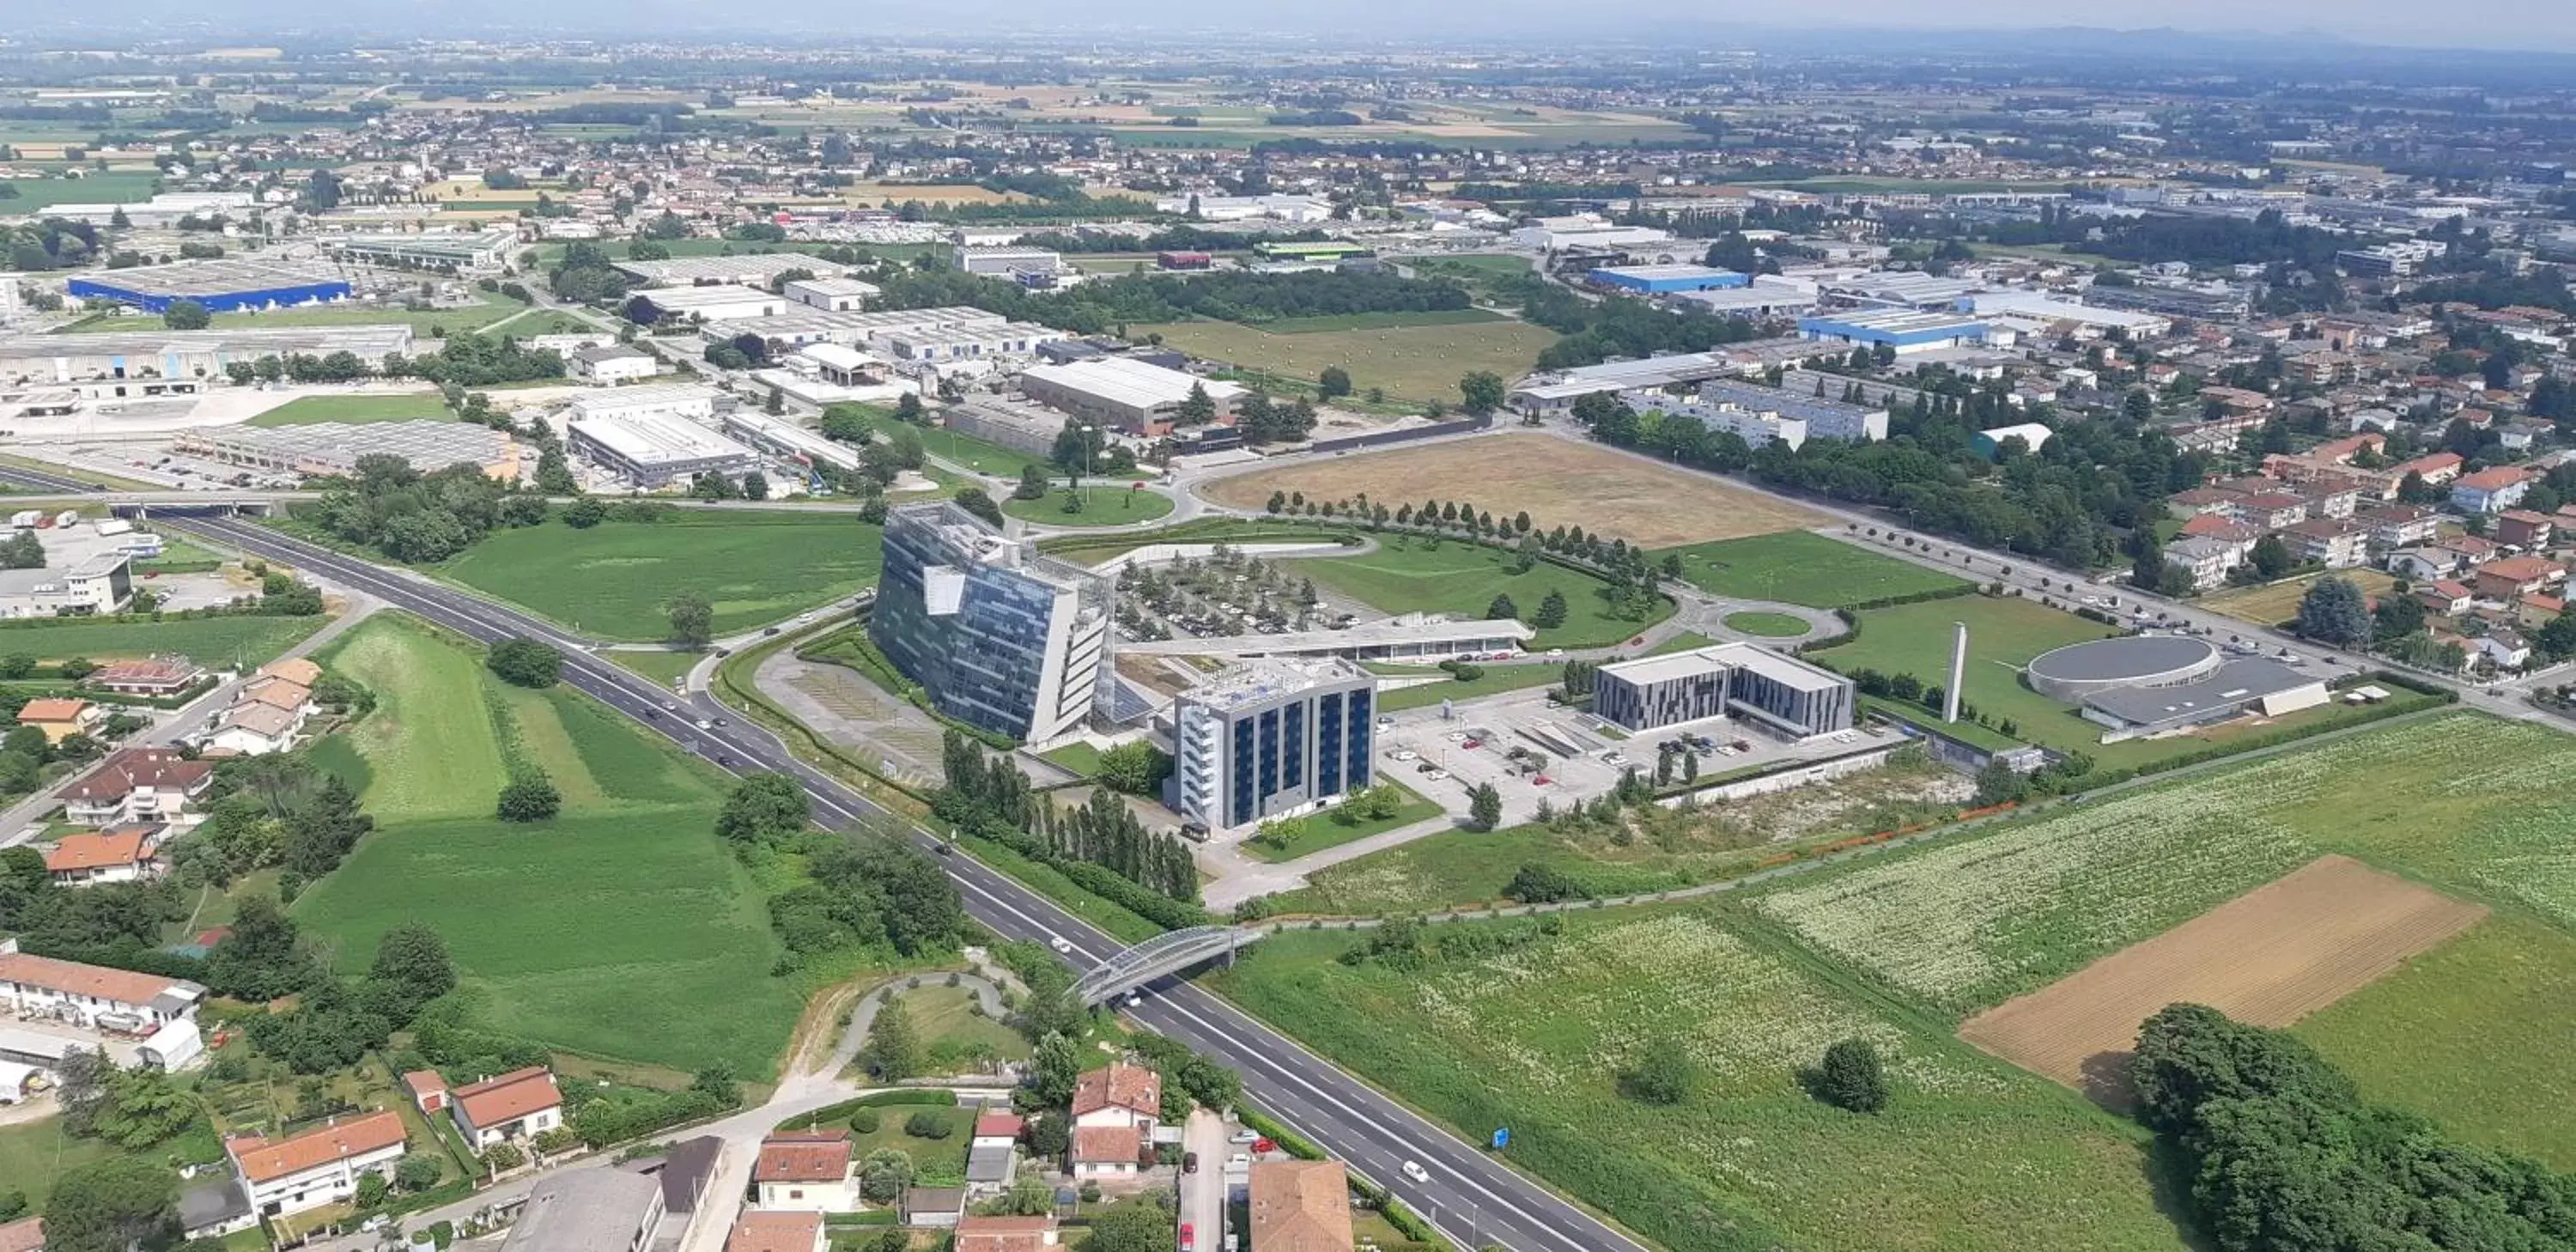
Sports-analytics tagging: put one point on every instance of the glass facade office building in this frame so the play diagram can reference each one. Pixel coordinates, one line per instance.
(1272, 737)
(1000, 637)
(1735, 679)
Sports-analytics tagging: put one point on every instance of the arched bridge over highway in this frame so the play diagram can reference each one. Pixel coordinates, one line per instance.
(1167, 953)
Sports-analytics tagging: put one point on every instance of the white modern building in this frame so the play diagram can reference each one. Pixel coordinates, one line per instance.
(102, 583)
(466, 254)
(1295, 210)
(714, 302)
(758, 269)
(1789, 696)
(1271, 738)
(1587, 230)
(1006, 262)
(651, 449)
(833, 295)
(611, 364)
(1132, 396)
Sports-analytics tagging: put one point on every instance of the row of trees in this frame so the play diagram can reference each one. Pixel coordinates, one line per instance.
(1135, 299)
(989, 797)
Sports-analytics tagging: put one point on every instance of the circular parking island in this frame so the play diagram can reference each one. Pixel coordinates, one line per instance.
(2078, 670)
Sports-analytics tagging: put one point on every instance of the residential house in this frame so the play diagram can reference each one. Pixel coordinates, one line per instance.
(23, 1235)
(2223, 528)
(2442, 597)
(589, 1210)
(1301, 1206)
(2513, 577)
(807, 1170)
(2501, 648)
(768, 1231)
(993, 1154)
(2330, 500)
(139, 785)
(1115, 1110)
(2272, 510)
(2490, 490)
(254, 729)
(321, 1166)
(61, 717)
(156, 679)
(687, 1174)
(2206, 560)
(2201, 501)
(2333, 544)
(1009, 1234)
(125, 854)
(2398, 525)
(428, 1090)
(276, 692)
(2538, 610)
(933, 1208)
(2435, 468)
(297, 670)
(2471, 551)
(2523, 528)
(521, 1104)
(92, 995)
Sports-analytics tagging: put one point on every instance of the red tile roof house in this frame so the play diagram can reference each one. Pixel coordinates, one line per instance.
(2513, 577)
(808, 1171)
(2523, 528)
(2443, 597)
(140, 785)
(125, 854)
(60, 717)
(759, 1231)
(32, 986)
(1006, 1234)
(155, 678)
(321, 1166)
(521, 1104)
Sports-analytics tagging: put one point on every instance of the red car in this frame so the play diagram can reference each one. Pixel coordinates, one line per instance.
(1189, 1238)
(1264, 1145)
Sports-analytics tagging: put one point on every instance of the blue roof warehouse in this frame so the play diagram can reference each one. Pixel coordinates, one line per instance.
(1658, 280)
(221, 286)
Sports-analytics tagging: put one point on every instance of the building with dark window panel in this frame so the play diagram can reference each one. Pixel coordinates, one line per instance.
(999, 636)
(1739, 680)
(1272, 737)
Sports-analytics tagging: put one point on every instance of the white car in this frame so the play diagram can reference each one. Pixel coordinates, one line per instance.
(1456, 736)
(1060, 943)
(1438, 775)
(704, 724)
(1405, 754)
(1414, 1171)
(1246, 1136)
(1240, 1160)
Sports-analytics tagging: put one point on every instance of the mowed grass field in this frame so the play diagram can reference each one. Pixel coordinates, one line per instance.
(1117, 504)
(90, 188)
(620, 929)
(214, 642)
(1558, 482)
(613, 579)
(1802, 567)
(1420, 363)
(1971, 1154)
(2482, 810)
(1411, 575)
(354, 410)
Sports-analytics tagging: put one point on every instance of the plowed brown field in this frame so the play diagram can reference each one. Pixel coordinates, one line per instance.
(2268, 957)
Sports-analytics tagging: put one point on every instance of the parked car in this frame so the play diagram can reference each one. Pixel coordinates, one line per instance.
(1189, 1162)
(1245, 1136)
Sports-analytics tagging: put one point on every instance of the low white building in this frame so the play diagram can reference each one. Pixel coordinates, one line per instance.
(807, 1171)
(321, 1166)
(714, 303)
(101, 584)
(521, 1104)
(836, 295)
(127, 854)
(92, 995)
(255, 729)
(611, 364)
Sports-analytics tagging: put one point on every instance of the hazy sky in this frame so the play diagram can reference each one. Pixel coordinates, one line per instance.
(2528, 25)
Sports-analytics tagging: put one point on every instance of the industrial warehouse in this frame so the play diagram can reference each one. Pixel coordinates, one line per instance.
(335, 447)
(218, 286)
(184, 354)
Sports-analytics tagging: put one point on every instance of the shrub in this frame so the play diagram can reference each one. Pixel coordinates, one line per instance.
(1851, 1077)
(928, 1125)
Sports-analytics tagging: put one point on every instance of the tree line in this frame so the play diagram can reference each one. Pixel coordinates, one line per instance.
(1098, 308)
(1099, 844)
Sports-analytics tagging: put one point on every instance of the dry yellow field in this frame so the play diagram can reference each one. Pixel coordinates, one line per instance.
(2268, 957)
(1420, 363)
(1557, 481)
(2274, 603)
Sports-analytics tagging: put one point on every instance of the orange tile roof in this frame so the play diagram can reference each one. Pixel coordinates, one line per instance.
(127, 846)
(129, 770)
(1301, 1206)
(295, 670)
(23, 1236)
(804, 1156)
(998, 1125)
(495, 1101)
(1110, 1144)
(1005, 1234)
(422, 1082)
(73, 978)
(264, 1160)
(280, 694)
(771, 1231)
(52, 709)
(1119, 1086)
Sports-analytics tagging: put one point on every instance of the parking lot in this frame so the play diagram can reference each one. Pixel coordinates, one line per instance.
(1533, 751)
(68, 546)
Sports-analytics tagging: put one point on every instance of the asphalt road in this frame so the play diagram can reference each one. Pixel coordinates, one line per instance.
(1474, 1197)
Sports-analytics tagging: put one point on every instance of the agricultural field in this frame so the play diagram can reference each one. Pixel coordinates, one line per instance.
(1802, 567)
(1102, 505)
(2268, 957)
(1656, 850)
(2274, 603)
(1557, 482)
(605, 931)
(355, 410)
(209, 641)
(1421, 363)
(613, 579)
(1380, 321)
(1418, 575)
(1534, 1031)
(90, 188)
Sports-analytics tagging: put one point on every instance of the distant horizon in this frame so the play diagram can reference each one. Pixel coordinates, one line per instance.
(2468, 26)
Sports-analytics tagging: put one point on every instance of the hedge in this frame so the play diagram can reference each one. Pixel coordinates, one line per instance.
(1270, 1128)
(883, 1099)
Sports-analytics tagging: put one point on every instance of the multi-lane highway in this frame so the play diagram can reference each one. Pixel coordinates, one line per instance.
(1468, 1193)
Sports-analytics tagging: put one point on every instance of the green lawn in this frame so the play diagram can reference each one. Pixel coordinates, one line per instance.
(1767, 625)
(1495, 679)
(1379, 321)
(1801, 567)
(960, 1039)
(1532, 1033)
(613, 579)
(660, 666)
(1328, 830)
(1078, 756)
(90, 188)
(35, 1154)
(621, 929)
(1410, 575)
(1095, 549)
(209, 641)
(1101, 506)
(426, 324)
(309, 410)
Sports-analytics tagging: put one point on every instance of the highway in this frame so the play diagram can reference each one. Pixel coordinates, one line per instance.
(1476, 1199)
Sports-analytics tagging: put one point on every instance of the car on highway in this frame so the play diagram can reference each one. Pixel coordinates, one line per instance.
(704, 724)
(1060, 943)
(1414, 1171)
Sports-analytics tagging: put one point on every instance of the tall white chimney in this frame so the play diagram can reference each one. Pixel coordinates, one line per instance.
(1958, 673)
